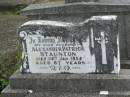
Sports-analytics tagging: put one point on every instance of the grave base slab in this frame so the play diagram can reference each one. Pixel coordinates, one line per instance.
(72, 82)
(8, 92)
(68, 85)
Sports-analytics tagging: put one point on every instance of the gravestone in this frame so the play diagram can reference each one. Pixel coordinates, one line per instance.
(79, 11)
(85, 33)
(91, 46)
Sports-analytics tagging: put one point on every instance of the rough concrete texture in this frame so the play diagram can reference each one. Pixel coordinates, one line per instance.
(72, 82)
(46, 1)
(8, 92)
(29, 93)
(114, 1)
(55, 94)
(101, 1)
(72, 1)
(69, 85)
(75, 8)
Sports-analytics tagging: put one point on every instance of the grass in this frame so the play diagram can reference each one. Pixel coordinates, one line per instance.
(9, 59)
(9, 63)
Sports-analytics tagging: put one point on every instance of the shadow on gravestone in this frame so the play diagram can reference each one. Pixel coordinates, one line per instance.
(93, 43)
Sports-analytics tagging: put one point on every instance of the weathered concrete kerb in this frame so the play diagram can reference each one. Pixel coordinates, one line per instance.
(70, 85)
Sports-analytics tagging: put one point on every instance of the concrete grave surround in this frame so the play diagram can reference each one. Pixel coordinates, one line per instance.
(101, 1)
(91, 46)
(70, 85)
(72, 1)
